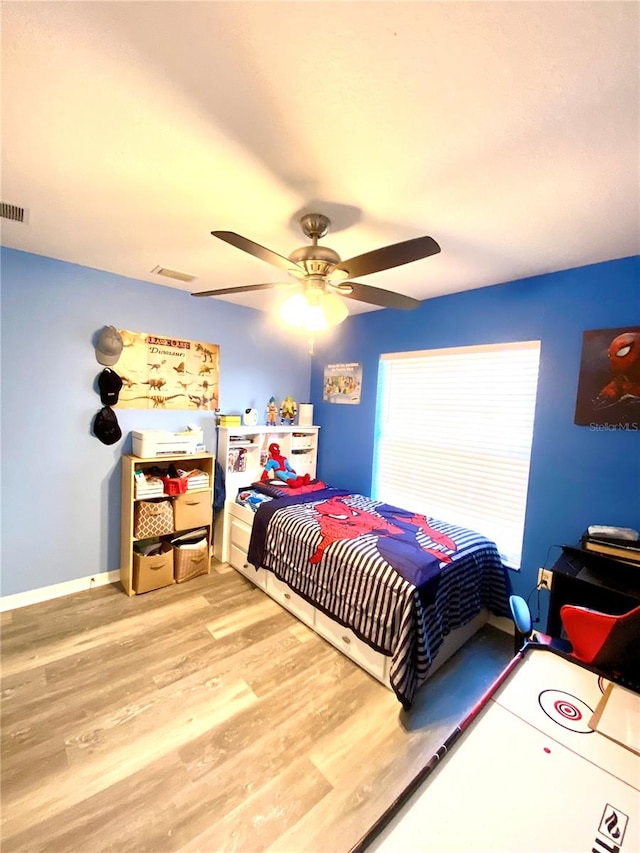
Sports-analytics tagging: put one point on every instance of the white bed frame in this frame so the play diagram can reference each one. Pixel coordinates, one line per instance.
(238, 521)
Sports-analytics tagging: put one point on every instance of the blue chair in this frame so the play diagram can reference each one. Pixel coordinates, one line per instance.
(524, 632)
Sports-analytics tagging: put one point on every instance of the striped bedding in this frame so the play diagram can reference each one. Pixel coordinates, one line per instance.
(401, 582)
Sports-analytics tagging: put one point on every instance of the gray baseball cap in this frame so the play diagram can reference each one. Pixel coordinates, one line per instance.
(109, 346)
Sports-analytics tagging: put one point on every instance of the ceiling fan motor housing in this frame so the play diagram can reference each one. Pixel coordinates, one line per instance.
(316, 260)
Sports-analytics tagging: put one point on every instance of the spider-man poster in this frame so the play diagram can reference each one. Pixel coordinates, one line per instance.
(609, 382)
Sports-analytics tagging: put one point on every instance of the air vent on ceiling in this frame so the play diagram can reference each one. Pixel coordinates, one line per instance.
(13, 212)
(179, 276)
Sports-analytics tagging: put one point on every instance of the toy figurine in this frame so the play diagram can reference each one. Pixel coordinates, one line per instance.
(278, 468)
(272, 412)
(288, 410)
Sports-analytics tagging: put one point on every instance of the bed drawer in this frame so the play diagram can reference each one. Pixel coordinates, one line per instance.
(244, 513)
(352, 646)
(285, 596)
(238, 559)
(239, 534)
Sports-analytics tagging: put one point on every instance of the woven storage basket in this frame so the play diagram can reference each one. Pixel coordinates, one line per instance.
(190, 562)
(153, 518)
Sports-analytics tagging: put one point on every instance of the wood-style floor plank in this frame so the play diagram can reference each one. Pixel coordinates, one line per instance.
(204, 717)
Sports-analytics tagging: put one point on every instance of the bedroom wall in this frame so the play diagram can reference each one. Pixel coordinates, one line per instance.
(578, 476)
(60, 484)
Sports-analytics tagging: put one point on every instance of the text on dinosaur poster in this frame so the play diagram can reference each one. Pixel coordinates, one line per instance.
(158, 372)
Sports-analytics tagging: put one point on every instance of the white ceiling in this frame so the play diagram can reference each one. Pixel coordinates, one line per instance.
(509, 132)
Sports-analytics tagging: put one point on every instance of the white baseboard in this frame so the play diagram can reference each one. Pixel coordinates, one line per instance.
(502, 623)
(46, 593)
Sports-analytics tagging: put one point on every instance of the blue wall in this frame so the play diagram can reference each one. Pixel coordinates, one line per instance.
(60, 484)
(578, 476)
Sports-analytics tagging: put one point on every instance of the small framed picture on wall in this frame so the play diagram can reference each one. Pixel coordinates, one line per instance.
(343, 383)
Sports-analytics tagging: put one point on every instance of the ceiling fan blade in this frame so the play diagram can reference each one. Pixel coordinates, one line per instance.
(244, 288)
(390, 256)
(257, 250)
(378, 296)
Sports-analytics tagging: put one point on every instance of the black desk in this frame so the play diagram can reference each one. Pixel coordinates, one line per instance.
(590, 580)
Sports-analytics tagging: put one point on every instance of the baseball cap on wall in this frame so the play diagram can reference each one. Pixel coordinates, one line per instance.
(106, 426)
(109, 384)
(109, 346)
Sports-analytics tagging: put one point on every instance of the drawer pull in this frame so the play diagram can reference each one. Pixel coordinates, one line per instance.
(346, 639)
(245, 565)
(287, 596)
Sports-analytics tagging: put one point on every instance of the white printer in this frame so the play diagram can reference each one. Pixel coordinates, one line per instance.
(159, 442)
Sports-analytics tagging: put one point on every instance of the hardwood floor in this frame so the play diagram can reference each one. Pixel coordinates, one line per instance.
(204, 717)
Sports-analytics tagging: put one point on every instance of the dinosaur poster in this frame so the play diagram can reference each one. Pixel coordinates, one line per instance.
(158, 372)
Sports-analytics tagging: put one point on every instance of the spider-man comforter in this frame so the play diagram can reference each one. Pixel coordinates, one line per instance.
(400, 581)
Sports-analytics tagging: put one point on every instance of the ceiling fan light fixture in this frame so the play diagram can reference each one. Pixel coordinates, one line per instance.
(293, 309)
(334, 309)
(313, 311)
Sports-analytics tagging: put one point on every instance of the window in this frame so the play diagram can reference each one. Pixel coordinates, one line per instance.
(453, 436)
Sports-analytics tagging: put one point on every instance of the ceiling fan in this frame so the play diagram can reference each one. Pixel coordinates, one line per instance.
(320, 268)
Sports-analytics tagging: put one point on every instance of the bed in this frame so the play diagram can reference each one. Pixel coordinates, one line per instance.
(394, 586)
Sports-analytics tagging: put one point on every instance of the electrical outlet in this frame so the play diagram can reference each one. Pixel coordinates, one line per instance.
(545, 577)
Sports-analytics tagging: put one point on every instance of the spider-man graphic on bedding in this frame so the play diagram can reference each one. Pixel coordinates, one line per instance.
(397, 537)
(339, 520)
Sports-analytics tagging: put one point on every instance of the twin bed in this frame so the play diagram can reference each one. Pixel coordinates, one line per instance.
(390, 588)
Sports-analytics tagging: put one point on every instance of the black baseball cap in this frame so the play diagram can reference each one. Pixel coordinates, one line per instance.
(106, 426)
(110, 384)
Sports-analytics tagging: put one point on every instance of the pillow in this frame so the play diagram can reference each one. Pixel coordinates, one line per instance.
(313, 486)
(279, 488)
(273, 488)
(250, 498)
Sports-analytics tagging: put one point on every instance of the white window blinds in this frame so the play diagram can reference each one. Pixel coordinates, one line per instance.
(453, 436)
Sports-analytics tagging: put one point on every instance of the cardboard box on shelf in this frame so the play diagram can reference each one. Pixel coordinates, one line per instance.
(153, 572)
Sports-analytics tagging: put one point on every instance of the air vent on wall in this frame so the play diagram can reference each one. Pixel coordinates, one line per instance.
(13, 212)
(179, 276)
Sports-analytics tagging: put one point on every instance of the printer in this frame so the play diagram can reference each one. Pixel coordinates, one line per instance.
(159, 442)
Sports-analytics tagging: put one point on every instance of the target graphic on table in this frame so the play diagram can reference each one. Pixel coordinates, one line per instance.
(566, 710)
